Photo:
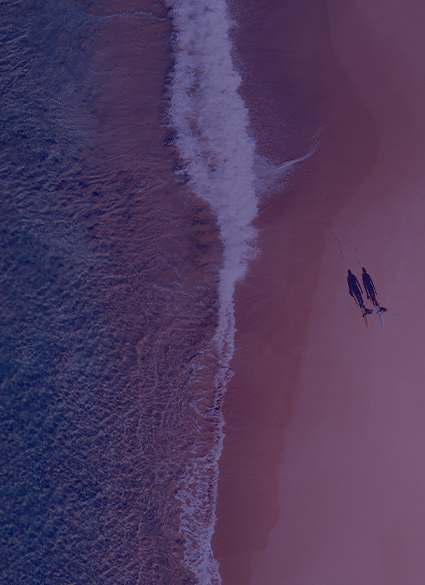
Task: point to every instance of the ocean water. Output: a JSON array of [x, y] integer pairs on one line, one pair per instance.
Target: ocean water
[[128, 194]]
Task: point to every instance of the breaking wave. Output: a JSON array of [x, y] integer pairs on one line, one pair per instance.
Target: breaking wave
[[211, 124]]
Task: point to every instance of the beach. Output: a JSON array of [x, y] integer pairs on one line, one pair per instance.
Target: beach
[[321, 478], [189, 393]]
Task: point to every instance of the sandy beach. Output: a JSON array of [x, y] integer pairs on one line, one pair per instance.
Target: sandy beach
[[321, 477]]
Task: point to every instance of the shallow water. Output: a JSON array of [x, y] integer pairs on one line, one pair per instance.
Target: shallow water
[[109, 275]]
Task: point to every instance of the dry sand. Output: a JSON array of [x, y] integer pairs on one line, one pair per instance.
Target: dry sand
[[322, 474]]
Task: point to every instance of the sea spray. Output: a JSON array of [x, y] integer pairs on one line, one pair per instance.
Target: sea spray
[[211, 121]]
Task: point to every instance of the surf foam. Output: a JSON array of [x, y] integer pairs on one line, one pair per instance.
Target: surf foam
[[211, 121]]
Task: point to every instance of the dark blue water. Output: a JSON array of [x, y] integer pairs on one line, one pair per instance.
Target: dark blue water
[[107, 292]]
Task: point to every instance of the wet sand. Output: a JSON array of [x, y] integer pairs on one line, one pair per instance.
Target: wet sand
[[321, 473]]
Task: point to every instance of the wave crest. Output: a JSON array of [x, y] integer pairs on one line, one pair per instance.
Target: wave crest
[[211, 124]]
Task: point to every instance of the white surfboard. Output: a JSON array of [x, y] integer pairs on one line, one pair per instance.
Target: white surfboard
[[381, 314]]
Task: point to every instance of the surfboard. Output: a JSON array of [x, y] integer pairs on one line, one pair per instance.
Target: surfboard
[[365, 313], [381, 312]]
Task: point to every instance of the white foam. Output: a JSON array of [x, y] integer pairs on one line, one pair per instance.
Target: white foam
[[211, 121], [267, 173]]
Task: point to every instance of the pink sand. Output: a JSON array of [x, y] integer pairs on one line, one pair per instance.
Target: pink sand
[[331, 415]]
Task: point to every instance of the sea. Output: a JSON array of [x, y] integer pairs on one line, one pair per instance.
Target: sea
[[131, 175]]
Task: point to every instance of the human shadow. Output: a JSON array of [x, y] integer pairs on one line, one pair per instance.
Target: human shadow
[[355, 289], [371, 290]]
